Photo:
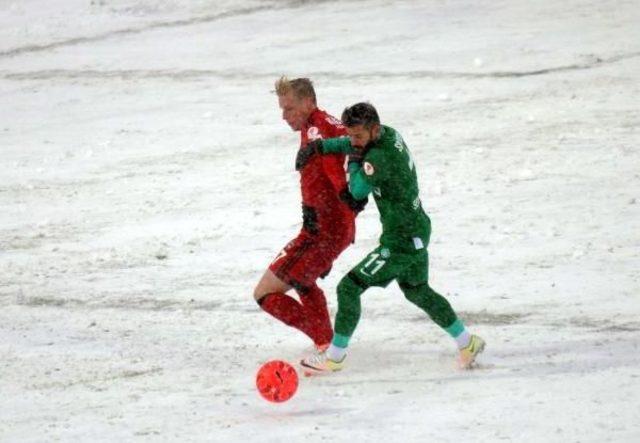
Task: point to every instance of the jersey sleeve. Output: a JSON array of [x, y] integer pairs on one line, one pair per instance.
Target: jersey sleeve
[[337, 145], [363, 178], [359, 186]]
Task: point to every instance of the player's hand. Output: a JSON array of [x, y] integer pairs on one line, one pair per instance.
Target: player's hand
[[305, 154], [356, 205]]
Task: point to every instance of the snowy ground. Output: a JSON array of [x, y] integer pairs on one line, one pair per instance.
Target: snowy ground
[[147, 180]]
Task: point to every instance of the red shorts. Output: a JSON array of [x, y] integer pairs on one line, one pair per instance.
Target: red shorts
[[307, 257]]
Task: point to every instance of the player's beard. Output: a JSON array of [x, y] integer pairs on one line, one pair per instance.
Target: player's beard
[[368, 144], [372, 140]]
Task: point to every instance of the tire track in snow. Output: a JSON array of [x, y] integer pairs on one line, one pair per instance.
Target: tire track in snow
[[123, 375], [482, 317], [127, 304], [152, 26], [129, 31], [191, 74]]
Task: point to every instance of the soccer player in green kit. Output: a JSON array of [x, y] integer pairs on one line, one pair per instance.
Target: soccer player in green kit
[[380, 163]]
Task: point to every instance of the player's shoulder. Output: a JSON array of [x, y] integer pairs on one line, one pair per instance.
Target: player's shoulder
[[327, 125], [391, 142], [375, 160], [381, 147], [389, 136], [322, 117], [382, 151]]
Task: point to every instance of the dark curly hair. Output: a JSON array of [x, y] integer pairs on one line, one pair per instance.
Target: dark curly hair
[[360, 114]]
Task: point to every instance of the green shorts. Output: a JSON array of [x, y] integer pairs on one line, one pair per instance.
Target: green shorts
[[381, 266]]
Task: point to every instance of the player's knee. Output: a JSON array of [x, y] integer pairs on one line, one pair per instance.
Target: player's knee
[[263, 288], [416, 294], [412, 295], [349, 291], [259, 292], [349, 286]]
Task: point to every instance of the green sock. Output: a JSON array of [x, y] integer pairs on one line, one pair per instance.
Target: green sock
[[459, 333], [338, 348]]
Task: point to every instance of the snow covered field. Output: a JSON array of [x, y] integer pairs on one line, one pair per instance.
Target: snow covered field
[[147, 180]]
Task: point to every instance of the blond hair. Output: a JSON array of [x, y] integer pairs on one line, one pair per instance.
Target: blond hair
[[301, 87]]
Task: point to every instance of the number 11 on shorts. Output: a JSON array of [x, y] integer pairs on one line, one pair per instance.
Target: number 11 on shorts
[[373, 264]]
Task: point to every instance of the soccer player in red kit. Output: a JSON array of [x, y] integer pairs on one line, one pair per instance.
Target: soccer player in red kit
[[328, 221]]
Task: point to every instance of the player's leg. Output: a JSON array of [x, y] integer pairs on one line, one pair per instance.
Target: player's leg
[[316, 313], [378, 268], [270, 292], [414, 283], [347, 317], [309, 316], [269, 283], [317, 264], [298, 266]]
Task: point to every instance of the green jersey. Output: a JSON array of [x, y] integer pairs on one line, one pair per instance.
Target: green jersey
[[388, 171]]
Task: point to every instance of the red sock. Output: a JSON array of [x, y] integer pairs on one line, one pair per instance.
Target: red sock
[[288, 310], [317, 315], [311, 317]]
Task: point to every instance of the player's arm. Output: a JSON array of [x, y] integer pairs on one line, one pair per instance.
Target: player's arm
[[333, 163], [364, 175], [360, 180], [359, 185], [338, 145], [334, 169]]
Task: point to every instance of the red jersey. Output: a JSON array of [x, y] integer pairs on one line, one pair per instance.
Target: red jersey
[[323, 178]]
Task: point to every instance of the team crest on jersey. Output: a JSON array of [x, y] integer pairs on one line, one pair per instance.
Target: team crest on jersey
[[313, 133], [368, 168]]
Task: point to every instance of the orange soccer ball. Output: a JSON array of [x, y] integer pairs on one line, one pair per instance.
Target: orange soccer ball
[[277, 381]]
